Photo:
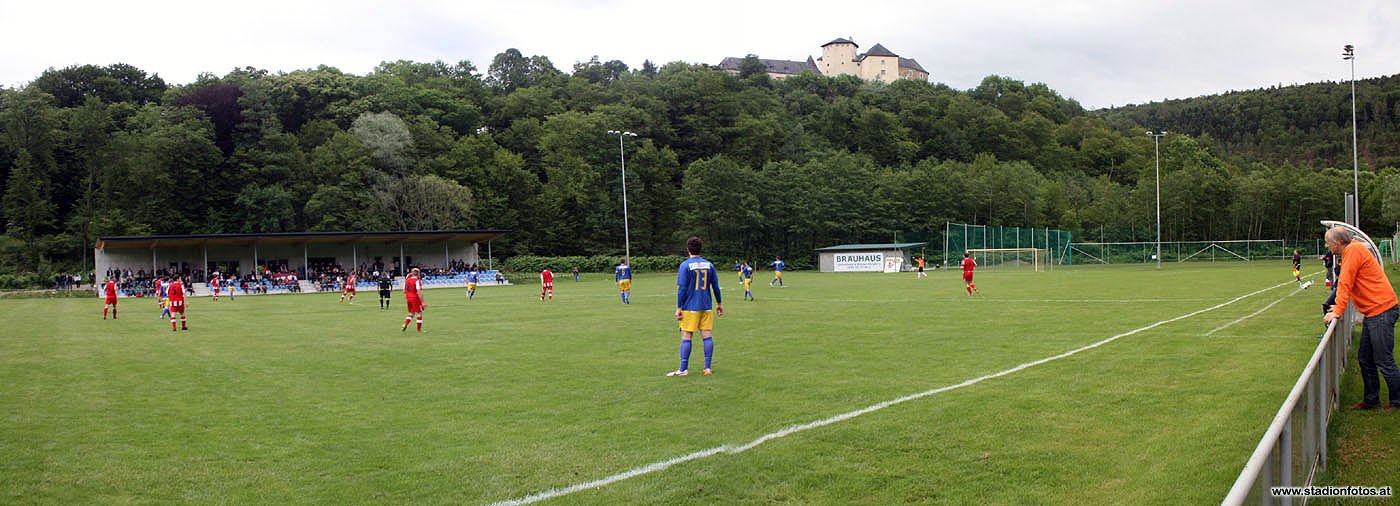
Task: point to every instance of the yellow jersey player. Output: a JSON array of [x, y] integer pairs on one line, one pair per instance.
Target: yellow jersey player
[[747, 274], [623, 277], [696, 282], [472, 277]]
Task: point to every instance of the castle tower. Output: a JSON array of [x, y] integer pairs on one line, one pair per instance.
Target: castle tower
[[839, 58]]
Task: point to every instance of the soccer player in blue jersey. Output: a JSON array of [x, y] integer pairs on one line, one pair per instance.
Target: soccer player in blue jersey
[[472, 278], [696, 281], [162, 286], [778, 266], [747, 274], [739, 268], [623, 278]]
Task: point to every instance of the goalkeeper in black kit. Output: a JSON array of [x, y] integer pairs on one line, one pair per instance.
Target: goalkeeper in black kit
[[386, 286]]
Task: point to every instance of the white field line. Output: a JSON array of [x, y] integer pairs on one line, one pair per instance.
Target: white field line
[[1256, 313], [733, 449]]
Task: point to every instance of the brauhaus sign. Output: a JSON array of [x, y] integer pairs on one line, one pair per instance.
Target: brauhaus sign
[[859, 262]]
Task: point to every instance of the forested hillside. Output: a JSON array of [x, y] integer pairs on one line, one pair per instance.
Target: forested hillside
[[756, 166], [1306, 124]]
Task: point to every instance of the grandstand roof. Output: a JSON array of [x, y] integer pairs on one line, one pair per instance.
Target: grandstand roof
[[152, 241], [859, 247]]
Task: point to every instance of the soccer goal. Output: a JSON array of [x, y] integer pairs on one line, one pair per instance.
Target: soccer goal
[[1036, 259]]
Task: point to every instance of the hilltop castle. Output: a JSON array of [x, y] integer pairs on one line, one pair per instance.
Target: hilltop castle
[[839, 58]]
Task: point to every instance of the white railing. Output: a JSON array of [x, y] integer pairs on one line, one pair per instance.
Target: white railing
[[1294, 448]]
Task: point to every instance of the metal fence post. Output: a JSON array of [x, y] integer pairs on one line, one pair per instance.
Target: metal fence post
[[1266, 476], [1285, 458]]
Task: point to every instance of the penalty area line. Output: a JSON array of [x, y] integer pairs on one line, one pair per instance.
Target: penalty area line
[[734, 449]]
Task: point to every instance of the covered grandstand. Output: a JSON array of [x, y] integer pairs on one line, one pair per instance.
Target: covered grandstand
[[306, 255]]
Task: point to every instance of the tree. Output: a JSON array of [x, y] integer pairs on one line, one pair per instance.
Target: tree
[[220, 103], [653, 207], [28, 211], [502, 189], [426, 203], [264, 209], [1390, 198], [172, 150], [719, 204], [753, 70], [598, 72], [387, 138], [114, 83], [511, 70], [302, 96], [29, 122], [339, 187], [90, 128], [423, 73]]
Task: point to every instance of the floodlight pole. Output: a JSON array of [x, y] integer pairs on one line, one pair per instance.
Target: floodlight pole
[[1349, 54], [1157, 149], [622, 154]]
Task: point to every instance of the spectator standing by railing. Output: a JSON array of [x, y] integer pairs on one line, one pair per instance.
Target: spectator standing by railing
[[1364, 283]]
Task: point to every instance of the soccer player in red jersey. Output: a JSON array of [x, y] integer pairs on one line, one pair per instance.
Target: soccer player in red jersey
[[349, 288], [413, 293], [110, 289], [176, 292], [546, 283], [214, 285], [968, 264]]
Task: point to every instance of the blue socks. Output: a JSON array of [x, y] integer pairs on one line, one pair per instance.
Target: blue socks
[[709, 344]]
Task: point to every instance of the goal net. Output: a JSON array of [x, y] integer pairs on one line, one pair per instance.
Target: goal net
[[1014, 243], [1035, 259]]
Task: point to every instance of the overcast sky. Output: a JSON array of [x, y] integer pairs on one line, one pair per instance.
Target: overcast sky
[[1099, 52]]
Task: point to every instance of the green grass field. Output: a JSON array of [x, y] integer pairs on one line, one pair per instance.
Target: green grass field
[[296, 399]]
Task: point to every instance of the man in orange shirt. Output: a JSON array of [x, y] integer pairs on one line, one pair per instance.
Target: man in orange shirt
[[1364, 283]]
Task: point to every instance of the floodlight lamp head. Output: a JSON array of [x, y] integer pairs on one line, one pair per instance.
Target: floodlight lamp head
[[613, 132], [629, 134]]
